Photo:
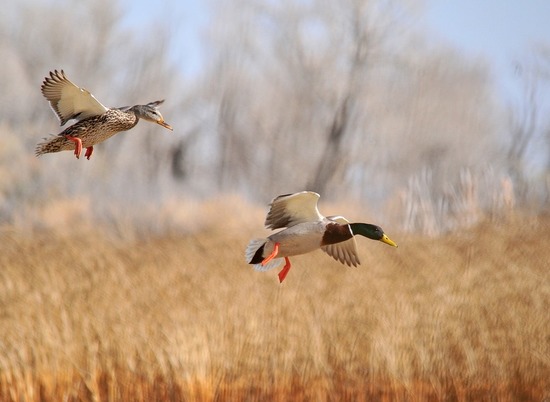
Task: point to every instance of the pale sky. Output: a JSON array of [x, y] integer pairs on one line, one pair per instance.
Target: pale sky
[[499, 31]]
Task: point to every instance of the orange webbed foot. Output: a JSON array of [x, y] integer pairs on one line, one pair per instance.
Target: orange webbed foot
[[77, 145], [284, 271], [286, 268], [272, 255], [89, 151]]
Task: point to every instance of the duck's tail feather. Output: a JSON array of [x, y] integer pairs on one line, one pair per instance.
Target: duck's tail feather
[[54, 143], [254, 255]]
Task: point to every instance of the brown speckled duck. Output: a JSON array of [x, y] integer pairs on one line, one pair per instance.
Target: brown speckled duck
[[307, 230], [95, 122]]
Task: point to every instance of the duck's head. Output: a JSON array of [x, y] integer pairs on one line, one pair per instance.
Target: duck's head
[[151, 113], [372, 232]]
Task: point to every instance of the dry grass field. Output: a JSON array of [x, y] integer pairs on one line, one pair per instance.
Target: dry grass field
[[89, 315]]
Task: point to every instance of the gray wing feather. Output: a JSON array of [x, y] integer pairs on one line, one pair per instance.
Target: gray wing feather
[[346, 251], [291, 209], [67, 100]]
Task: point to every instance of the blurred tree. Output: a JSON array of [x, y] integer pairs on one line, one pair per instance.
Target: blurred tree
[[338, 97], [119, 65], [528, 121], [334, 97], [293, 84]]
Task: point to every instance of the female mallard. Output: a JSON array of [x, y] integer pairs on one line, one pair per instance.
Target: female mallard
[[307, 230], [95, 124]]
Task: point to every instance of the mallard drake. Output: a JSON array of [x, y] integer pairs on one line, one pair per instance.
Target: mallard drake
[[306, 231], [95, 122]]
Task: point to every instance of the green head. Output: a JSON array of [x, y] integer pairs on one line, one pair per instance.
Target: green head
[[372, 232]]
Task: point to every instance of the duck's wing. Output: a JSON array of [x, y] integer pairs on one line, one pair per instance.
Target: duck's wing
[[150, 104], [346, 251], [69, 101], [291, 209]]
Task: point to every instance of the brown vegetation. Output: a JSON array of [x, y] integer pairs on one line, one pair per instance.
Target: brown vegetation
[[89, 316]]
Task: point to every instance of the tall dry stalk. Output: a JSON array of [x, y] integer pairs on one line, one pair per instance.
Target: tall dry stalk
[[86, 316]]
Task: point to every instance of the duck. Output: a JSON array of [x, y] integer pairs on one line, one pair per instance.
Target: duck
[[306, 230], [95, 123]]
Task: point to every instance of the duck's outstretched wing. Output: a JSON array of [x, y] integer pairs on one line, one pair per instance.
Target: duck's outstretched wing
[[346, 251], [291, 209], [150, 104], [69, 101]]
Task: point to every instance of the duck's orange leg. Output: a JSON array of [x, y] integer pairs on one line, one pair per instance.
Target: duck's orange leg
[[286, 268], [284, 271], [77, 145], [272, 255], [89, 151]]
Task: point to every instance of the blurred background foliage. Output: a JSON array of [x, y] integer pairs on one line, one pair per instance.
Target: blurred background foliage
[[346, 98]]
